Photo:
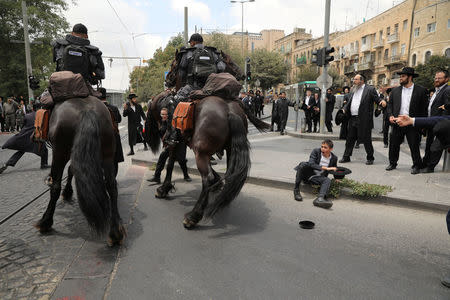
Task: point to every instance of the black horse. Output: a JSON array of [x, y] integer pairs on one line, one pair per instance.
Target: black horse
[[220, 125], [80, 130]]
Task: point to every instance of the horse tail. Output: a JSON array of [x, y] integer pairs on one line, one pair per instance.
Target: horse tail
[[238, 165], [86, 164], [152, 133], [260, 125]]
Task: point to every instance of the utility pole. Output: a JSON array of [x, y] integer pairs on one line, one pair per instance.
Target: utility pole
[[27, 49], [186, 26], [326, 33]]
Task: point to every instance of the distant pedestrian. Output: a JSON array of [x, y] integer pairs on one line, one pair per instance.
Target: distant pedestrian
[[2, 115], [274, 119], [22, 143], [408, 99], [330, 100], [360, 110], [307, 108], [134, 112], [10, 108], [315, 171], [259, 99], [344, 124], [20, 115], [283, 111], [316, 111]]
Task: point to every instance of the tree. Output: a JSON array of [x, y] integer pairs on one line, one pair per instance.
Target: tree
[[46, 23], [307, 73], [148, 81], [338, 80], [268, 67], [223, 42], [427, 70]]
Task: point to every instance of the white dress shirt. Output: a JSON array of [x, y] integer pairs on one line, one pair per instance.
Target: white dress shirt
[[406, 100], [307, 100], [356, 100], [433, 97]]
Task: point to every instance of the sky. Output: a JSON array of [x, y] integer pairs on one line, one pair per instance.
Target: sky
[[131, 28]]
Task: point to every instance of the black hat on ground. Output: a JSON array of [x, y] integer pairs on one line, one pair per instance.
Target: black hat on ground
[[340, 117], [196, 37], [80, 28], [103, 92], [131, 96], [408, 71], [340, 172]]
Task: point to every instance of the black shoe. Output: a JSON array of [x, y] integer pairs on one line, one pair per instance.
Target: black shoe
[[43, 167], [145, 148], [322, 202], [369, 162], [391, 167], [357, 146], [156, 179], [130, 153], [3, 168], [282, 132], [427, 170], [187, 178], [386, 146], [415, 170], [308, 131], [297, 195], [446, 281], [344, 160]]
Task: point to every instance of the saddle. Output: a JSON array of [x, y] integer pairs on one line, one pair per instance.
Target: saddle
[[183, 116], [41, 125]]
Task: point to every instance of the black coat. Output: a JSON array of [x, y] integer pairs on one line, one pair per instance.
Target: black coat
[[418, 106], [134, 123], [22, 141], [314, 163], [365, 111], [283, 108], [442, 98], [329, 105]]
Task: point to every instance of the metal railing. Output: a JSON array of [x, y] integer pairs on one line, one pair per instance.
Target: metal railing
[[393, 38]]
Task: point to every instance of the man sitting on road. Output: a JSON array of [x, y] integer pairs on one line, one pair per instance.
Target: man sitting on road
[[315, 171]]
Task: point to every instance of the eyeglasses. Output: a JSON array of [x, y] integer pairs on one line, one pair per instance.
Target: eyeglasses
[[162, 115]]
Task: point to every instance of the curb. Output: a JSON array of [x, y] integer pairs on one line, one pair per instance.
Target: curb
[[320, 136], [279, 184]]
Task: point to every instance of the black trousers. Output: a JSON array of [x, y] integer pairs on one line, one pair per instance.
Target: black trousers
[[412, 136], [344, 129], [352, 136], [303, 174], [431, 158], [315, 118], [180, 156], [2, 123], [386, 125], [308, 117], [12, 161]]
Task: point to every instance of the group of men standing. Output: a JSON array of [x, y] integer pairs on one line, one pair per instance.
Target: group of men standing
[[12, 113]]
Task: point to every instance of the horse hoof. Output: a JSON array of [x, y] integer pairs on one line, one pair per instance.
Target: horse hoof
[[160, 195], [43, 229], [117, 239], [188, 224]]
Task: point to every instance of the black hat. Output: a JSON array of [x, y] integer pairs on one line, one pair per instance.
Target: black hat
[[377, 112], [196, 37], [103, 92], [388, 91], [408, 71], [131, 96], [79, 28], [340, 172], [340, 117]]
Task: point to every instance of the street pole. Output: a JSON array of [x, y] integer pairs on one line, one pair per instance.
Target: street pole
[[186, 26], [27, 49], [242, 30], [326, 33]]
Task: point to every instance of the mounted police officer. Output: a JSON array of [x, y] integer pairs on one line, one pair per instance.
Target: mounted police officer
[[75, 53]]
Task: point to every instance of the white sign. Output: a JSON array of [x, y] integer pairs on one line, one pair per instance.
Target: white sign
[[321, 82], [257, 82]]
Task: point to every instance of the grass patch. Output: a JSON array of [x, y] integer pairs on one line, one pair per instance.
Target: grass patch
[[359, 189]]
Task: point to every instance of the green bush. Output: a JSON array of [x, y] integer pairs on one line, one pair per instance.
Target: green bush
[[360, 189]]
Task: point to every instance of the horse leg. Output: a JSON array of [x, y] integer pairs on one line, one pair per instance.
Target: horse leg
[[208, 178], [58, 164], [68, 191], [164, 189], [117, 231]]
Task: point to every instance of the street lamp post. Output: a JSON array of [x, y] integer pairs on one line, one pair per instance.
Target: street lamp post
[[242, 27]]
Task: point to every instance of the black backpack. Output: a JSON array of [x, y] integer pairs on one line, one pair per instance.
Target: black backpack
[[75, 58], [203, 64]]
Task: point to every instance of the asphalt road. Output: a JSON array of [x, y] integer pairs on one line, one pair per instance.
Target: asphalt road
[[256, 250]]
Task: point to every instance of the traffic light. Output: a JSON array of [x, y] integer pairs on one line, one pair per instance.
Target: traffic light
[[33, 82], [247, 68], [326, 55], [317, 57]]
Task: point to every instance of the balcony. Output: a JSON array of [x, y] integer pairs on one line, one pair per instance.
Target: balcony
[[393, 38], [301, 61], [365, 66], [366, 47], [349, 69], [353, 52], [396, 59], [378, 44]]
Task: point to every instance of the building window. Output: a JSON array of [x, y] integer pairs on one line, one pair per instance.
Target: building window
[[416, 31], [427, 56], [405, 25], [363, 40], [403, 49], [396, 28], [386, 54], [447, 52], [381, 35], [394, 50], [431, 27], [414, 58], [388, 31]]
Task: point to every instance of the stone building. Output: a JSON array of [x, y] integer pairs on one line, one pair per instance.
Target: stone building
[[406, 34]]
